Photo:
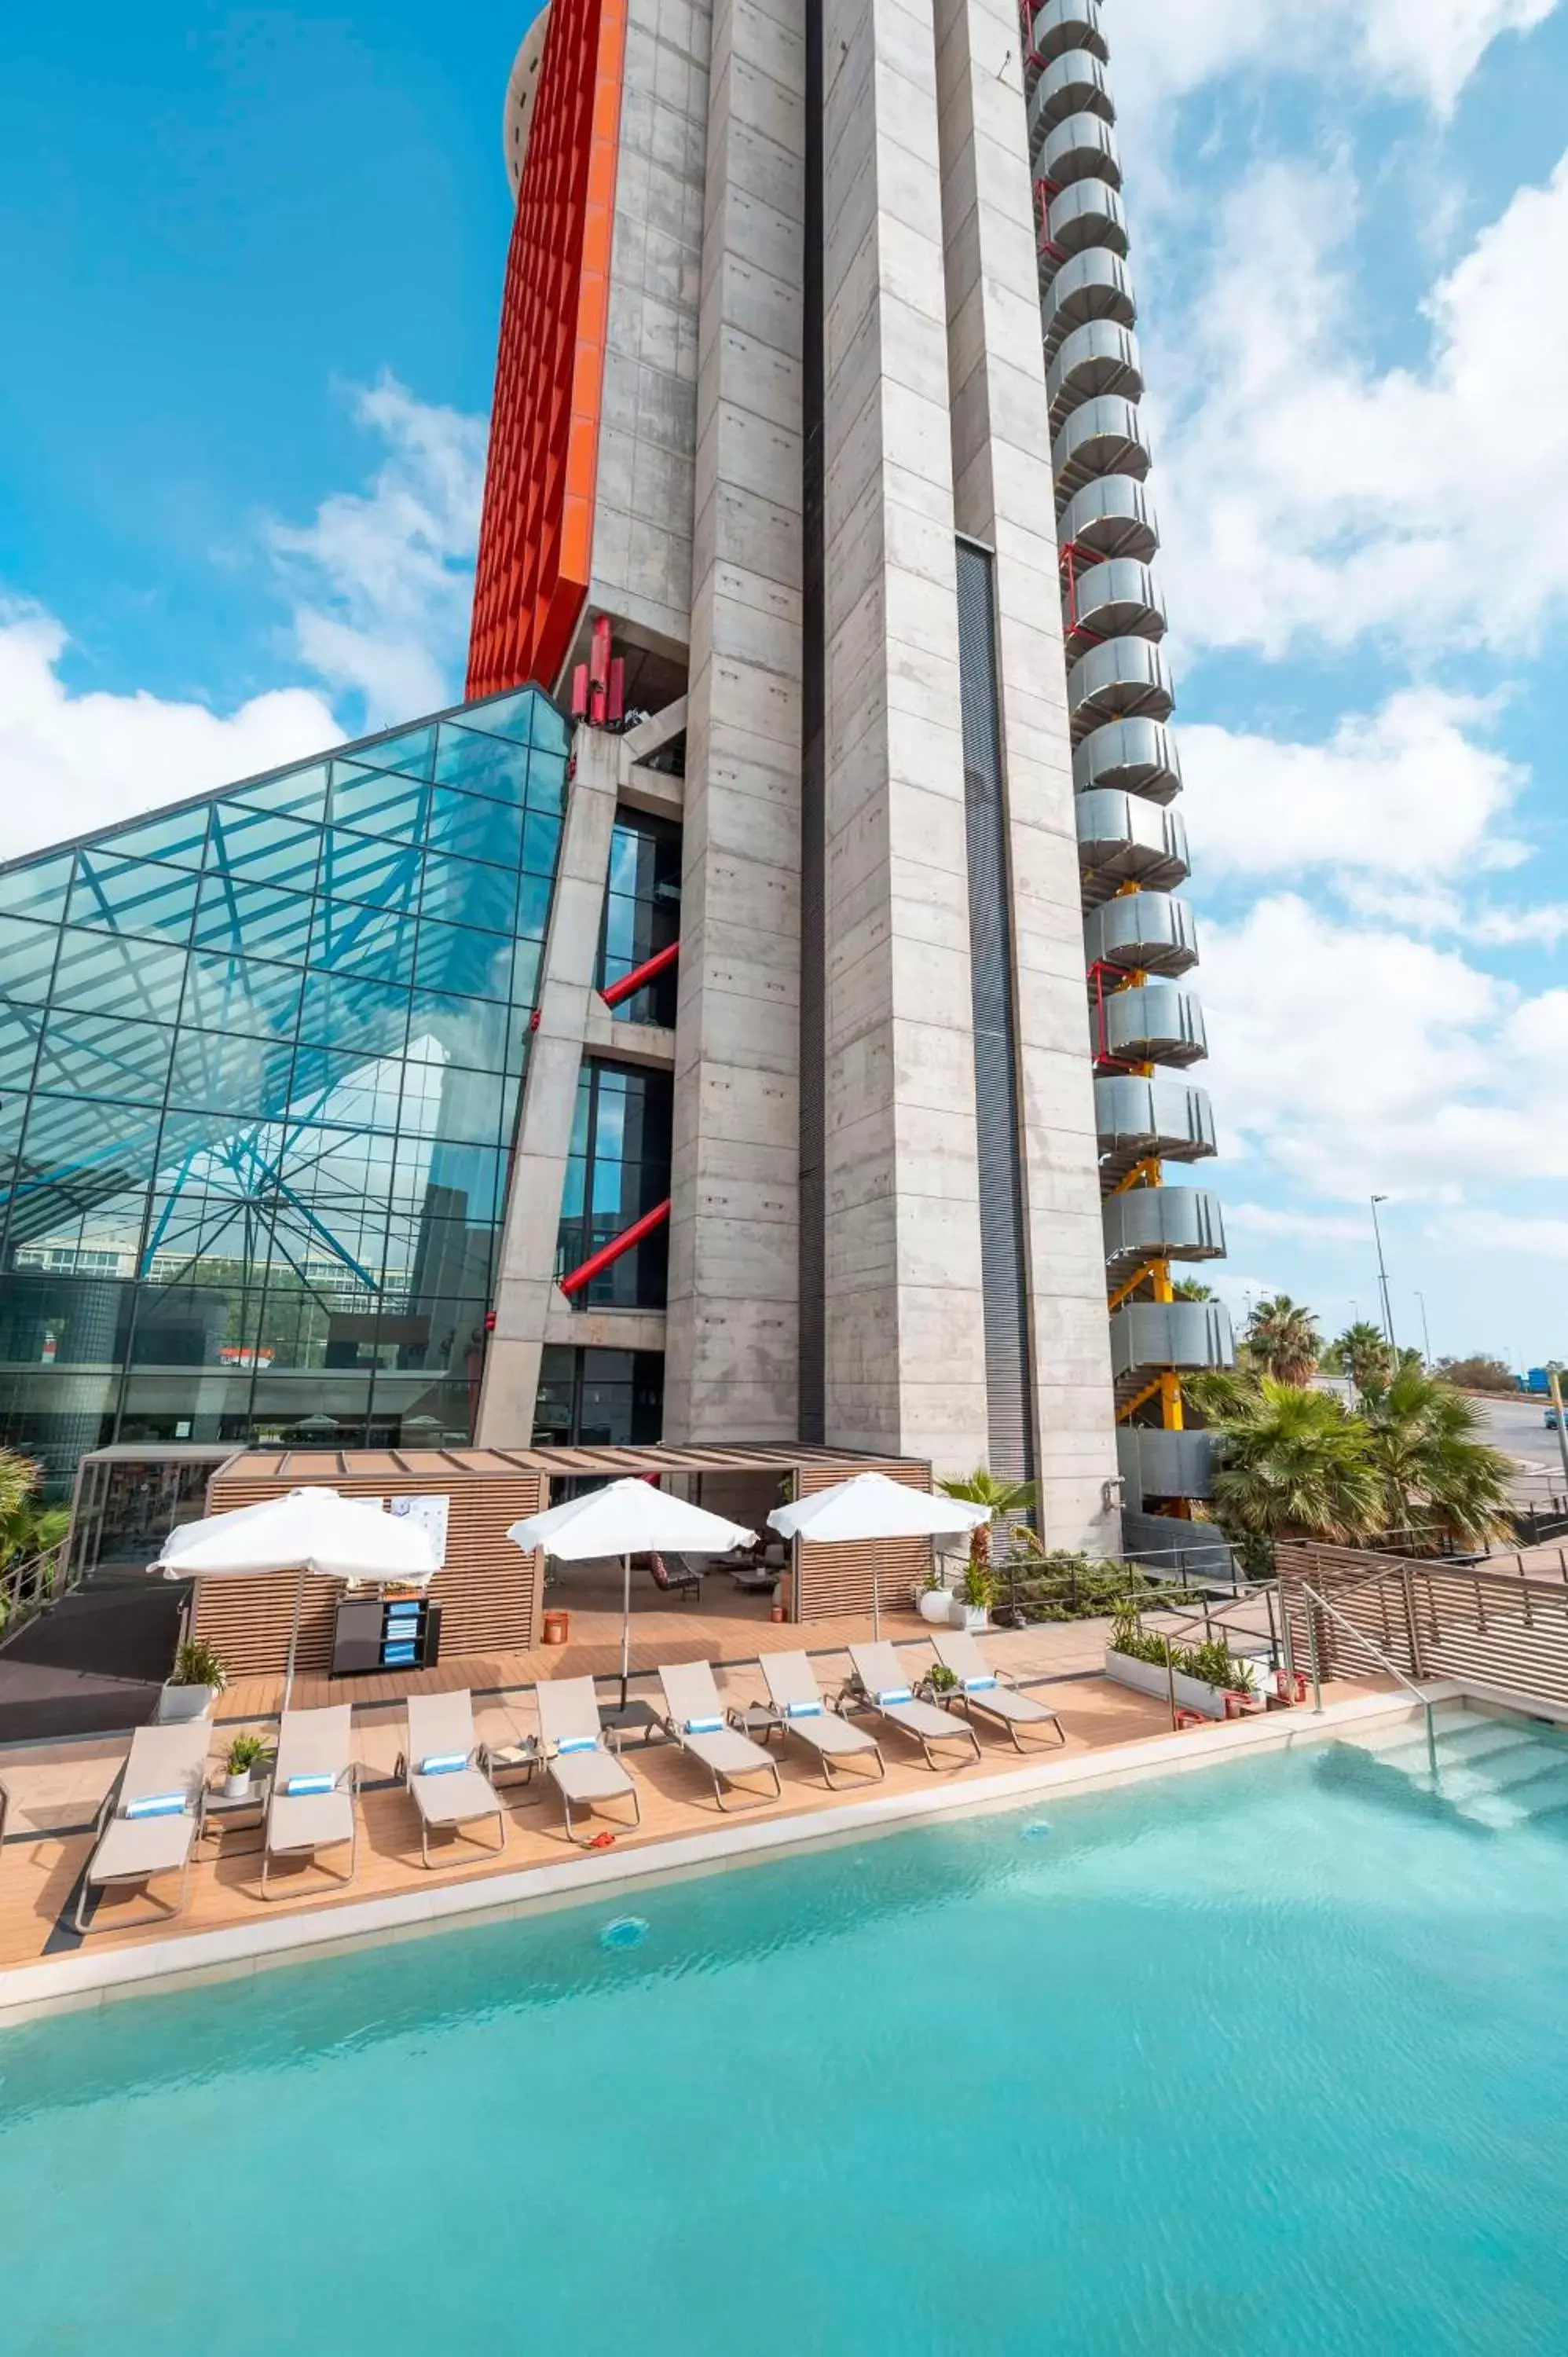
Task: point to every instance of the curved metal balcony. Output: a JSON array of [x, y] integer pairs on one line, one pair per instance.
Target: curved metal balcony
[[1160, 1223], [1123, 678], [1136, 757], [1111, 516], [1122, 839], [1096, 284], [1141, 1119], [1084, 147], [1161, 1464], [1149, 1337], [1100, 358], [1074, 84], [1114, 600], [1063, 24], [1085, 217], [1106, 436], [1157, 1023], [1142, 932]]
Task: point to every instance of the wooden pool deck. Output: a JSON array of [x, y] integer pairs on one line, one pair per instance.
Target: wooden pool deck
[[55, 1789]]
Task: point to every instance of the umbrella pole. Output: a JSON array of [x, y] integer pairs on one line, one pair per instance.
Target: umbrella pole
[[293, 1638], [625, 1627], [876, 1606]]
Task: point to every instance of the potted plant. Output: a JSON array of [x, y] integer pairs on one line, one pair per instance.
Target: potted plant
[[240, 1758], [941, 1679], [194, 1683], [972, 1604], [1198, 1676], [932, 1601]]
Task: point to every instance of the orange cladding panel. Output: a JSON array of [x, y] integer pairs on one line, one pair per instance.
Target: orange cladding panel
[[536, 536]]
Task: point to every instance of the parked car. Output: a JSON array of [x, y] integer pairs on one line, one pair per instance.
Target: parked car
[[1549, 1419]]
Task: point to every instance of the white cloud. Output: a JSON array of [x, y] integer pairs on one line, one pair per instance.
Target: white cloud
[[1477, 1228], [1307, 495], [382, 578], [1424, 50], [1308, 1227], [73, 762], [1405, 789]]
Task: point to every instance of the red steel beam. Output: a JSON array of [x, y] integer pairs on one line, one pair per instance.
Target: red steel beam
[[641, 975], [608, 1255]]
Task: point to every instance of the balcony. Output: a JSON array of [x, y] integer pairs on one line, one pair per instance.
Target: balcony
[[1141, 1119], [1100, 358], [1096, 284], [1073, 83], [1112, 516], [1164, 1465], [1154, 1023], [1138, 757], [1083, 147], [1147, 932], [1063, 24], [1160, 1223], [1087, 216], [1148, 1338], [1106, 436], [1125, 679], [1122, 839], [1119, 598]]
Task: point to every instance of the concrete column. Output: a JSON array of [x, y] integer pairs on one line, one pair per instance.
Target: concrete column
[[1004, 496], [525, 1287], [730, 1371], [906, 1367]]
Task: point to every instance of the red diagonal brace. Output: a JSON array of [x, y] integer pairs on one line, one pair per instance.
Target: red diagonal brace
[[608, 1255], [641, 975]]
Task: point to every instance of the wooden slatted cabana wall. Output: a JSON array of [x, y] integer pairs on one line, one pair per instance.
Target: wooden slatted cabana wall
[[489, 1590], [835, 1581]]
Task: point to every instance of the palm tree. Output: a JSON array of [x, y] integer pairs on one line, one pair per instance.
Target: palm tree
[[1363, 1353], [1296, 1465], [1191, 1288], [1282, 1340], [1442, 1484], [25, 1527], [1004, 1498]]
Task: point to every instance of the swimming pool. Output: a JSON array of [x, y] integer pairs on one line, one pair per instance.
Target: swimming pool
[[1267, 2057]]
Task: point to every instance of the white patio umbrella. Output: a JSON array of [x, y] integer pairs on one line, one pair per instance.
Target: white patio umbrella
[[626, 1518], [870, 1506], [308, 1531]]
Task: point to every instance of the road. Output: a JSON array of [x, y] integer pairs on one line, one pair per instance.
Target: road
[[1515, 1426]]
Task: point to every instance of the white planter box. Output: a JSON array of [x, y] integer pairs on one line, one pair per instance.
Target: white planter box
[[971, 1617], [1150, 1678], [178, 1703]]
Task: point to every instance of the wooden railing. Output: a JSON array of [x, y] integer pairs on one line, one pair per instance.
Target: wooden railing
[[1484, 1623]]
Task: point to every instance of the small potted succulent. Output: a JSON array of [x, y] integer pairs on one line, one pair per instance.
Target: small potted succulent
[[237, 1762], [194, 1683]]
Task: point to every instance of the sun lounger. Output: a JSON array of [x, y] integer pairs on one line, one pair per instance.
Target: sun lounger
[[991, 1692], [444, 1766], [697, 1721], [149, 1821], [888, 1691], [684, 1580], [583, 1767], [313, 1782], [798, 1699]]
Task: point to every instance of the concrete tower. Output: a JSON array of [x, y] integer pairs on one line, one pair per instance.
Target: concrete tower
[[791, 316]]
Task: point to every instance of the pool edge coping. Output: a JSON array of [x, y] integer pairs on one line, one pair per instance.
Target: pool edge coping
[[69, 1983]]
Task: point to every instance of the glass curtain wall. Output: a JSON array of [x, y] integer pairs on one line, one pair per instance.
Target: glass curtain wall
[[259, 1067], [642, 913], [618, 1169]]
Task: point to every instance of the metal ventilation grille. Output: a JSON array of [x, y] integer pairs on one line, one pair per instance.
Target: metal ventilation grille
[[1008, 1387]]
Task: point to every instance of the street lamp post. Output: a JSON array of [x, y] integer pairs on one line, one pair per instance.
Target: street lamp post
[[1554, 1377], [1383, 1275], [1425, 1332]]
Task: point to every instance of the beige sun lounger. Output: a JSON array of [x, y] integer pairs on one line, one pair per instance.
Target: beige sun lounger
[[993, 1692], [149, 1821], [582, 1766], [441, 1731], [798, 1699], [314, 1783], [696, 1720], [888, 1691]]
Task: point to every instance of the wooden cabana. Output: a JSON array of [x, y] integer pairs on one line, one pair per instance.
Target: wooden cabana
[[489, 1595]]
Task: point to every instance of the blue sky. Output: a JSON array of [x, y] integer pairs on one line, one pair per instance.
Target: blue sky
[[253, 263]]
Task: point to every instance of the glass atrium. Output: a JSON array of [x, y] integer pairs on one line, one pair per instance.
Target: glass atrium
[[260, 1056]]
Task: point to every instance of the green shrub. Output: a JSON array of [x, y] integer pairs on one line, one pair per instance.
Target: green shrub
[[197, 1663]]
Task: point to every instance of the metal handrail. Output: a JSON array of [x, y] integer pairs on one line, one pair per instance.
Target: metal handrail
[[27, 1587], [1378, 1655]]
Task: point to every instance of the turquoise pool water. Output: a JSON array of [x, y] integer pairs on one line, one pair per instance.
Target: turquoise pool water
[[1261, 2060]]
